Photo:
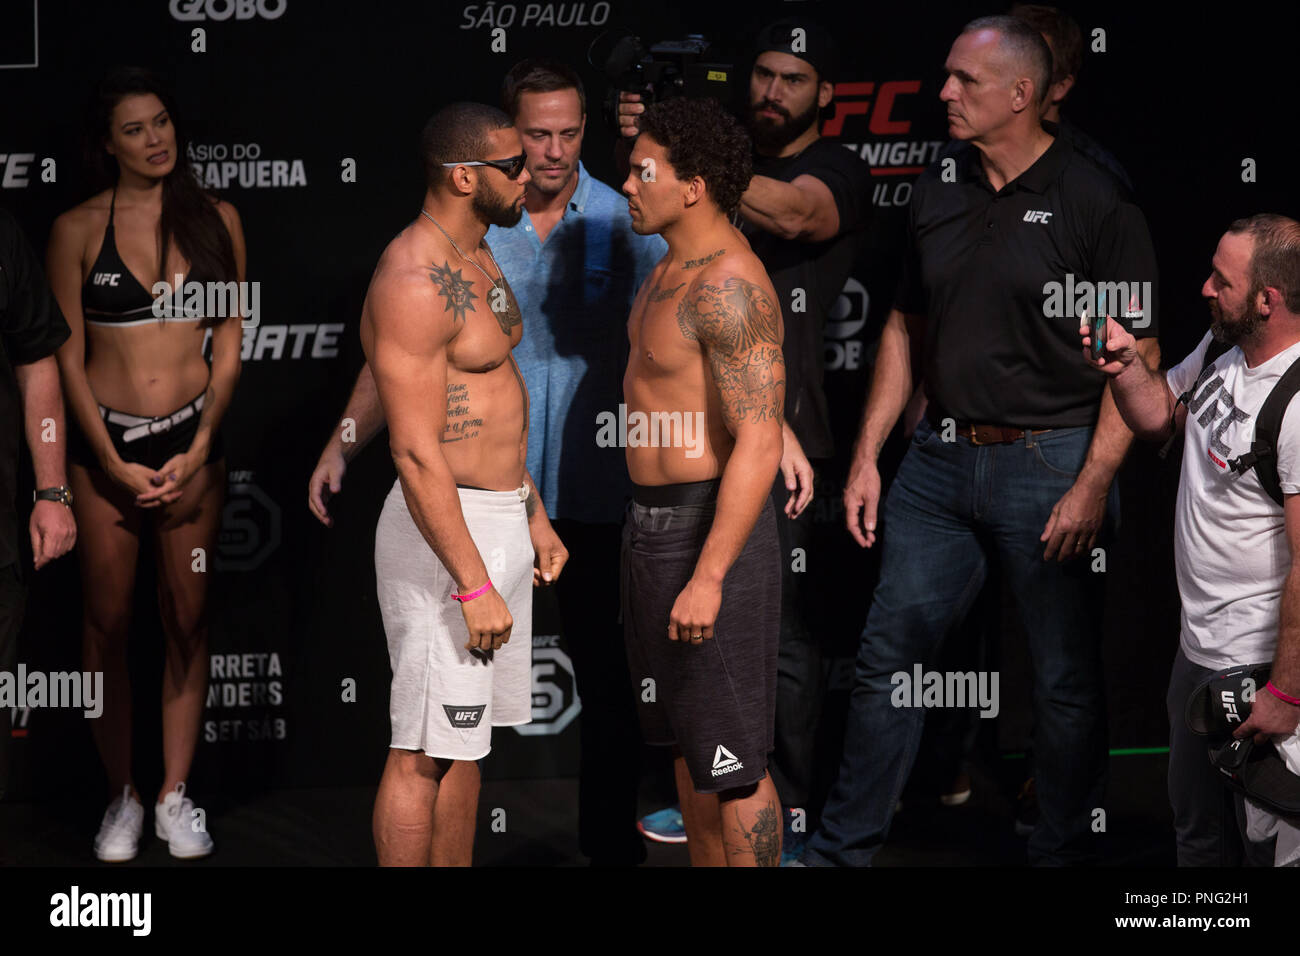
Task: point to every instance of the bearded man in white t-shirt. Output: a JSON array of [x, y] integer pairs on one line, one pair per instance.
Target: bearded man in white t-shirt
[[1237, 552]]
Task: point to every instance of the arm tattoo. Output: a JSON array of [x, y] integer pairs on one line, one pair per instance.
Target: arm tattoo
[[531, 502], [693, 263], [209, 403], [458, 291], [737, 325]]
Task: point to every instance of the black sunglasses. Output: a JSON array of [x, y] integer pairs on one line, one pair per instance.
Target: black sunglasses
[[512, 167]]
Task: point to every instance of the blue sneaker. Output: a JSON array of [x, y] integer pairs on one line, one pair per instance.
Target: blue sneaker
[[663, 826], [793, 842]]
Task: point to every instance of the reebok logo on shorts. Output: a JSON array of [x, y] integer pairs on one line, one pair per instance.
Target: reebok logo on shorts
[[724, 761], [464, 718]]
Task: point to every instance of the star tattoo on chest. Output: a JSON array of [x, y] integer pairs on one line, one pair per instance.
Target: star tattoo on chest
[[457, 290]]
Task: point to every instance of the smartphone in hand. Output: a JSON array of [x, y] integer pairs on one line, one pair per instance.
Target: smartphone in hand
[[1098, 334]]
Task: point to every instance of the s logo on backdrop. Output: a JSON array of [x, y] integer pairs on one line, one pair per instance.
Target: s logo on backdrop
[[555, 692], [250, 525]]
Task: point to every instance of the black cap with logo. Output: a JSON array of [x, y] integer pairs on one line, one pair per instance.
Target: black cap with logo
[[804, 38]]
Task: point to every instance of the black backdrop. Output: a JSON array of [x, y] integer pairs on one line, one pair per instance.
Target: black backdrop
[[313, 83]]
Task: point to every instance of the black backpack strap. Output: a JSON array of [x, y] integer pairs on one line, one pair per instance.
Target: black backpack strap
[[1212, 352], [1268, 425]]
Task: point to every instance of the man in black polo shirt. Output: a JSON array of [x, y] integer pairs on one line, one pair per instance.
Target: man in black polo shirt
[[1016, 461], [805, 214], [31, 329], [950, 736]]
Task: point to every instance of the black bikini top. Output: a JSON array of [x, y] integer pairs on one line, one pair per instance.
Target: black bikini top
[[111, 295]]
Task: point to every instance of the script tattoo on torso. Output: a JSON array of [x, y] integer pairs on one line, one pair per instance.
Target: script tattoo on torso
[[459, 425], [737, 323]]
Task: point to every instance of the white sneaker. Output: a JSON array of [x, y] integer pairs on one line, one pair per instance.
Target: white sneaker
[[182, 826], [119, 831]]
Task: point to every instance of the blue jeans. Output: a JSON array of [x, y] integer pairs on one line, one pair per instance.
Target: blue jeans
[[953, 508]]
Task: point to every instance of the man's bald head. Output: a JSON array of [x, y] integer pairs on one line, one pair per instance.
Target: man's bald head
[[1022, 51]]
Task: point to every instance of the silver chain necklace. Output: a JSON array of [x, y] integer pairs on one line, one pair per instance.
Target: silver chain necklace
[[467, 258]]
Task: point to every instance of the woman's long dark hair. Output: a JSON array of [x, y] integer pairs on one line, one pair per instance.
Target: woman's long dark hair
[[189, 216]]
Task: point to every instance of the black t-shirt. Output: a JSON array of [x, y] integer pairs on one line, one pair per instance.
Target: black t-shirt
[[31, 327], [820, 269], [1083, 143], [1000, 278]]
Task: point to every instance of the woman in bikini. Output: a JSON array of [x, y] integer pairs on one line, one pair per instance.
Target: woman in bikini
[[144, 453]]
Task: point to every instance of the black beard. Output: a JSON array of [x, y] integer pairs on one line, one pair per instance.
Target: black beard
[[771, 136], [495, 211], [1233, 331]]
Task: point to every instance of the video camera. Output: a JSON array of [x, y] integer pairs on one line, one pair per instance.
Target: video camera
[[686, 67]]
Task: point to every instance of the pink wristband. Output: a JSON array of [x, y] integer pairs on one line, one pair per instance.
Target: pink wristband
[[1281, 696], [473, 594]]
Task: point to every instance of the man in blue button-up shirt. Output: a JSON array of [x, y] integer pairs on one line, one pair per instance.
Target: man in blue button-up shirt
[[574, 265]]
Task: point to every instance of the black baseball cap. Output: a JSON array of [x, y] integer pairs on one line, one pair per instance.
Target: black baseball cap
[[816, 45]]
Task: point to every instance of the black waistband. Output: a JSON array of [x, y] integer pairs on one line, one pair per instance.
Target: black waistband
[[669, 496]]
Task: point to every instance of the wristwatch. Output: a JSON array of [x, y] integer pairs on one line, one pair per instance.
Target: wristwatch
[[61, 494]]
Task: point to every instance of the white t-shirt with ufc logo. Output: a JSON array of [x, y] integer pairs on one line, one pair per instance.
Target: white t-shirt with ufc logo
[[1230, 546]]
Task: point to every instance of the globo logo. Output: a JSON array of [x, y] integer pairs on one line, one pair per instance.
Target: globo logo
[[191, 10]]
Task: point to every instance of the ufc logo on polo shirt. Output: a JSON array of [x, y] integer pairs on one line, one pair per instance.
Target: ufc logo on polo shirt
[[1037, 215]]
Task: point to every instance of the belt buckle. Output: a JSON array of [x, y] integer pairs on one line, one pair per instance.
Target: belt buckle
[[974, 435]]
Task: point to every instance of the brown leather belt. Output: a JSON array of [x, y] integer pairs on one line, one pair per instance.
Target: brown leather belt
[[984, 434]]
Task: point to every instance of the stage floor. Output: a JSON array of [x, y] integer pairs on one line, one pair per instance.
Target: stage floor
[[331, 827]]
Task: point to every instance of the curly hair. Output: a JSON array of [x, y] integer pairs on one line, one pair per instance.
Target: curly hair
[[703, 139]]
